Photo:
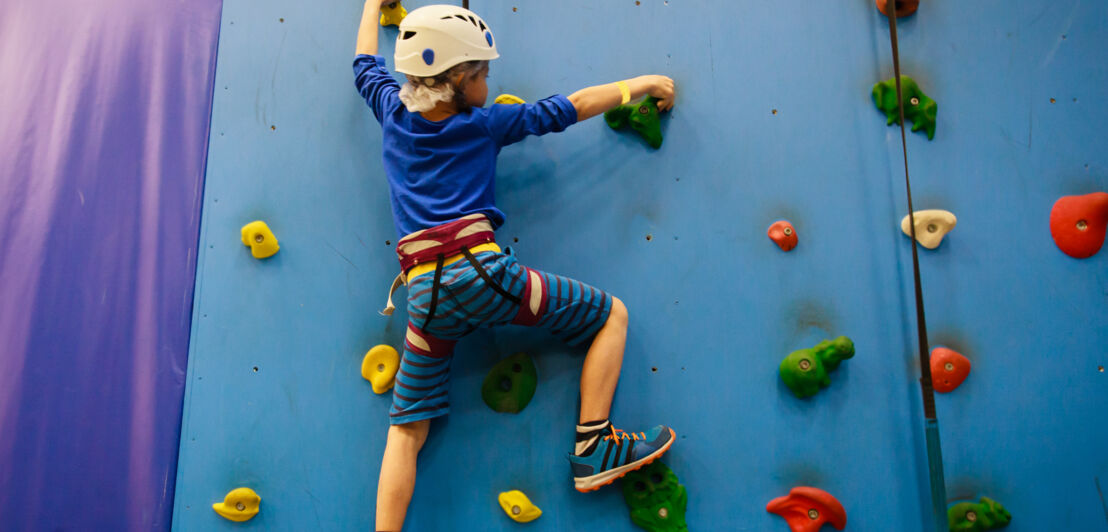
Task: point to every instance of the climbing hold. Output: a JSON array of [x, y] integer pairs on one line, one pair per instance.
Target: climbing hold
[[379, 367], [948, 369], [807, 509], [918, 108], [240, 504], [1077, 223], [783, 234], [518, 506], [903, 7], [977, 516], [508, 99], [392, 14], [656, 498], [805, 371], [643, 118], [510, 384], [260, 239], [931, 226]]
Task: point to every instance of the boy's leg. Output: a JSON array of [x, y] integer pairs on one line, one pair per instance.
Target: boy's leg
[[398, 473], [600, 375]]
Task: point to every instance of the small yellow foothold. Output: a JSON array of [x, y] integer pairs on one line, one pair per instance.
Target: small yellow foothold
[[508, 99], [379, 367], [518, 506], [260, 239], [392, 14], [240, 504]]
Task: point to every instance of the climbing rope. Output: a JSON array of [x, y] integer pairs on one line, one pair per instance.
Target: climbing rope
[[931, 421]]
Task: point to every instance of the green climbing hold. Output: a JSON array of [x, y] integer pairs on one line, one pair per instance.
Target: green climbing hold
[[510, 384], [977, 516], [918, 108], [805, 371], [656, 499], [642, 116]]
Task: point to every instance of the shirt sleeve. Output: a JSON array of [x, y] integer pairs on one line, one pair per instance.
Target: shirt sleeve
[[510, 123], [375, 84]]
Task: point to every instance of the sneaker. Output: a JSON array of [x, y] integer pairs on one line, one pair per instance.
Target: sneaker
[[617, 454]]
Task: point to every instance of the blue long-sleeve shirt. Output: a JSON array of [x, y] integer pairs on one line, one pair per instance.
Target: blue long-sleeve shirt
[[441, 171]]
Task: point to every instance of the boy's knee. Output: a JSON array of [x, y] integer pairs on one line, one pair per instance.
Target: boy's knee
[[411, 435], [618, 314]]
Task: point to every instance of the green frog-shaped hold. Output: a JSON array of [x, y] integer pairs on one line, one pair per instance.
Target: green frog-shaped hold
[[977, 516], [805, 371], [643, 118], [656, 498], [918, 108]]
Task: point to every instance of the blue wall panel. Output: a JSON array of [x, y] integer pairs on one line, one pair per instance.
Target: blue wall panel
[[774, 120]]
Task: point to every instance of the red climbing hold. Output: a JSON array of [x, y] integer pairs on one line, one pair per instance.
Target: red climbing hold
[[782, 233], [1077, 223], [807, 509], [949, 369], [903, 7]]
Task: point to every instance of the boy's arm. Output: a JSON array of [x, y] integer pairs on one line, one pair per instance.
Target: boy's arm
[[367, 31], [592, 101]]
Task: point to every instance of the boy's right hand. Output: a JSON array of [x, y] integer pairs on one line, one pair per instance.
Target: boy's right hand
[[662, 88]]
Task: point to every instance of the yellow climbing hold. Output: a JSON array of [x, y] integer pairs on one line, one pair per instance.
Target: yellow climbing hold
[[518, 506], [260, 239], [508, 99], [379, 367], [392, 14], [240, 504]]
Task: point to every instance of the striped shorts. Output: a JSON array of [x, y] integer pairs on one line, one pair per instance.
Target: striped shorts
[[571, 310]]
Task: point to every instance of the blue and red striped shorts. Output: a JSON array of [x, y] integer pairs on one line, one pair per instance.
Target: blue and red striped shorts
[[570, 309]]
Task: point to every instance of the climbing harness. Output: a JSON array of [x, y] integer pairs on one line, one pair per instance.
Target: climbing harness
[[931, 421]]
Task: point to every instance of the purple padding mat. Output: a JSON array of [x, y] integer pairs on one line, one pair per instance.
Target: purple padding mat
[[104, 111]]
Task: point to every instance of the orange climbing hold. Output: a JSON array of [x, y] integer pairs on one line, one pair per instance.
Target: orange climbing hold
[[1078, 223], [783, 234], [948, 369], [903, 7], [807, 509]]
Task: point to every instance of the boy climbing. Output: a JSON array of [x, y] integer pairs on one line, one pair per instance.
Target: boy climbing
[[440, 147]]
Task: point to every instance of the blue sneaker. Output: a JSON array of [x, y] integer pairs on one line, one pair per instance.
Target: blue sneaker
[[617, 454]]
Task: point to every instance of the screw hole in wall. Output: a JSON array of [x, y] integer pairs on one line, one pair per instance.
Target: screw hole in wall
[[255, 369], [388, 242], [649, 237], [654, 369]]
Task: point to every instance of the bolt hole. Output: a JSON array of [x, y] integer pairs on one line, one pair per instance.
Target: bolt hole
[[515, 240], [1082, 225], [255, 369], [637, 2], [654, 369], [663, 512], [380, 368], [949, 366], [1100, 369], [273, 128], [506, 384], [971, 516], [516, 510], [931, 228], [813, 514], [388, 242], [259, 238], [774, 111], [280, 20], [788, 231], [1063, 36], [240, 506], [514, 9], [649, 237], [1052, 100], [805, 364]]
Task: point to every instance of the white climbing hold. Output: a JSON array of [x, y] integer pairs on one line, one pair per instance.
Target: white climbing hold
[[931, 226]]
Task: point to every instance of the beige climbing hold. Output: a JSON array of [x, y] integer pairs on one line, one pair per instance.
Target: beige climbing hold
[[931, 226], [240, 504], [379, 367]]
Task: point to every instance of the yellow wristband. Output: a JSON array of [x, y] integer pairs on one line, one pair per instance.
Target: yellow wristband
[[624, 91]]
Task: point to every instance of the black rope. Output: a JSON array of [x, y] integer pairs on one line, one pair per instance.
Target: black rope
[[434, 292], [488, 280], [921, 319]]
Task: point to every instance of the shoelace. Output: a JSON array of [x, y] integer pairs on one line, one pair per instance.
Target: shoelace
[[618, 435]]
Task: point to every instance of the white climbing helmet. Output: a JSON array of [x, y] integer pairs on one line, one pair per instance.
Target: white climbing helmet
[[434, 38]]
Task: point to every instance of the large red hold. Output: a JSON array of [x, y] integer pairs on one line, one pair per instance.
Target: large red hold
[[807, 509], [949, 369], [903, 7], [1077, 223], [783, 234]]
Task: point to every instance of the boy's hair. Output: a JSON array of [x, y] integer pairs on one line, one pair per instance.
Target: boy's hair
[[421, 94]]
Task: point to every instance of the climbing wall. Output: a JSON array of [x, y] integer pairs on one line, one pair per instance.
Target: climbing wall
[[774, 121]]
